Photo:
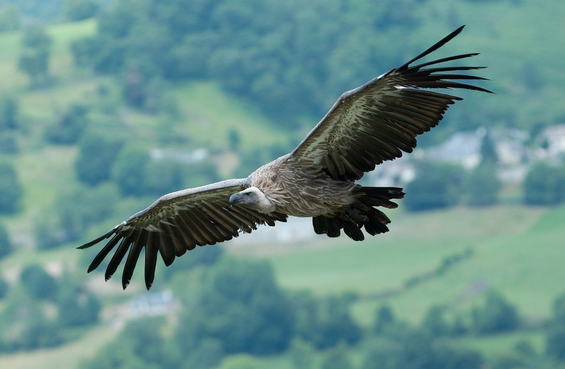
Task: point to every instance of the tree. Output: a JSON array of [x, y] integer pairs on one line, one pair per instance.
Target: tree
[[119, 356], [241, 307], [8, 143], [207, 354], [282, 65], [201, 173], [78, 209], [76, 10], [146, 342], [435, 186], [488, 151], [415, 349], [29, 325], [434, 322], [39, 331], [38, 282], [8, 124], [5, 244], [544, 185], [555, 342], [482, 185], [162, 176], [34, 57], [555, 339], [4, 288], [70, 126], [84, 49], [96, 157], [234, 139], [326, 322], [559, 310], [134, 89], [456, 358], [141, 344], [384, 318], [77, 307], [10, 189], [8, 113], [458, 327], [137, 174], [129, 170], [497, 315], [75, 210]]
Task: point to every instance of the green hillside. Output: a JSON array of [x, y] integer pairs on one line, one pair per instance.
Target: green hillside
[[205, 114], [515, 249], [449, 258]]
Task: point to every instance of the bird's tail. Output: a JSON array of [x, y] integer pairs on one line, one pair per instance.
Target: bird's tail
[[362, 213]]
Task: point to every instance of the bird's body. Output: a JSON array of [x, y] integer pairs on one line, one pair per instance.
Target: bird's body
[[301, 190], [366, 126]]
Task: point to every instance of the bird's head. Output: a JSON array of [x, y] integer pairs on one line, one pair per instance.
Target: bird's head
[[253, 198]]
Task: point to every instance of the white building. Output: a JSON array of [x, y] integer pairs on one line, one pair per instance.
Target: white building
[[152, 304]]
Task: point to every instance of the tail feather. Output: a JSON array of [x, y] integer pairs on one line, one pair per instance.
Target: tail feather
[[333, 228], [353, 230], [361, 214]]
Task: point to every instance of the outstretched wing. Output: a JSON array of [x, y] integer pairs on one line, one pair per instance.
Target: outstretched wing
[[175, 223], [374, 122]]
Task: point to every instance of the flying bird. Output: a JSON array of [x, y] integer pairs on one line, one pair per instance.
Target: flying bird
[[366, 126]]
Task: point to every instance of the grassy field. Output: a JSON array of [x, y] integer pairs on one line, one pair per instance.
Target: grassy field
[[205, 114], [517, 250], [67, 356], [211, 115]]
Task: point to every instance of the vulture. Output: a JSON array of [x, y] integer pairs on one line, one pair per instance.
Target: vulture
[[366, 126]]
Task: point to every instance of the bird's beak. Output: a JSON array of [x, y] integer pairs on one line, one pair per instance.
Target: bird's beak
[[234, 199]]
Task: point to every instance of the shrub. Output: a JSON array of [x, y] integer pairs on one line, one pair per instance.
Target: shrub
[[435, 186], [544, 185], [96, 157], [129, 171], [5, 244], [10, 189], [70, 127], [38, 282], [497, 315], [241, 307], [482, 185]]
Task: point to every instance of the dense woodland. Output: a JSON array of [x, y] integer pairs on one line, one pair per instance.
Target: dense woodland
[[286, 63]]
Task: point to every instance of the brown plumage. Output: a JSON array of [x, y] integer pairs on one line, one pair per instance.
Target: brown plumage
[[366, 126]]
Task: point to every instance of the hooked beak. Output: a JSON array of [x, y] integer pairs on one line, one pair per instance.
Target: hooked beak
[[235, 198]]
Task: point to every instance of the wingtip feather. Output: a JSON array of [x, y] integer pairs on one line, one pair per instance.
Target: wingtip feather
[[434, 47]]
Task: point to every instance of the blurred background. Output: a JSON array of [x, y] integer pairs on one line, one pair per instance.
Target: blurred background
[[106, 105]]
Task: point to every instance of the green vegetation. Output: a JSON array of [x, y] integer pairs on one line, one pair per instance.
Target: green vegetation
[[515, 249], [437, 186], [482, 185], [9, 19], [544, 185], [10, 189], [34, 58], [77, 10], [118, 111], [5, 243]]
